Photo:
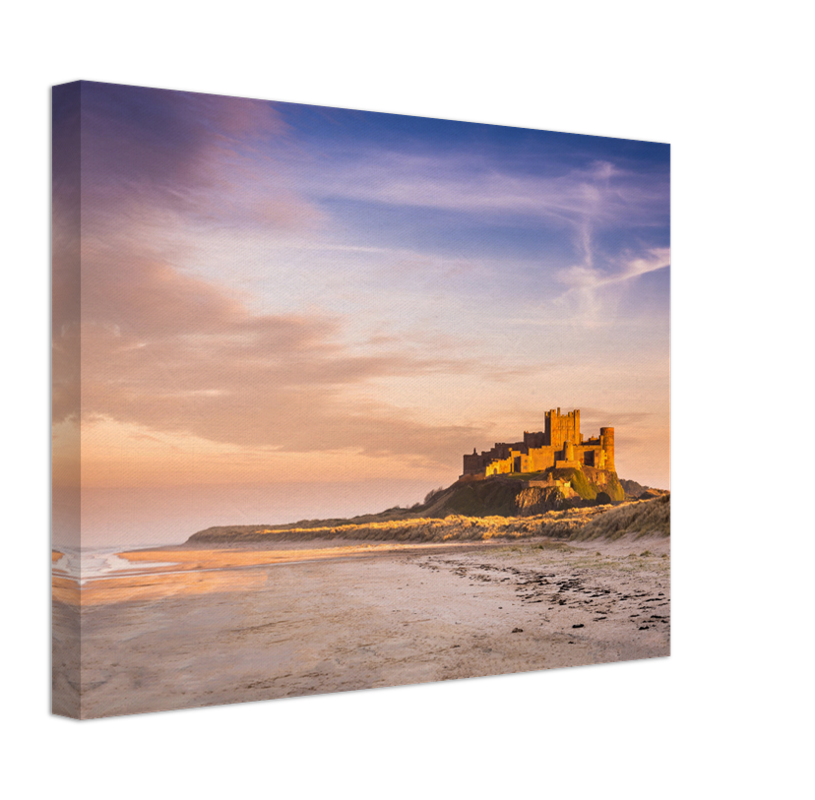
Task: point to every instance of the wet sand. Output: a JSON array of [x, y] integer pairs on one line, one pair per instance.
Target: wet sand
[[222, 626]]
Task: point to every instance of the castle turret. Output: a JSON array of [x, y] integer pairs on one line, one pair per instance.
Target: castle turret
[[607, 446]]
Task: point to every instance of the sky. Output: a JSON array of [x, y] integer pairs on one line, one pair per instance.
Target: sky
[[282, 311]]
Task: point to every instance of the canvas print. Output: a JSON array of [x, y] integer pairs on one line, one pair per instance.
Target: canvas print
[[346, 400]]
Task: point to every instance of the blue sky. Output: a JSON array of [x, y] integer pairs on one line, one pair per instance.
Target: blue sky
[[274, 291]]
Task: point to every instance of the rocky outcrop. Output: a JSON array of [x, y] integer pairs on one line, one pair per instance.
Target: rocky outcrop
[[539, 499]]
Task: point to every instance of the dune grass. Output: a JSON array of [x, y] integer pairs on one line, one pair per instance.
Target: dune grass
[[644, 518]]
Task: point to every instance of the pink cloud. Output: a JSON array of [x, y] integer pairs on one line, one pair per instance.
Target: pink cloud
[[178, 354], [204, 156]]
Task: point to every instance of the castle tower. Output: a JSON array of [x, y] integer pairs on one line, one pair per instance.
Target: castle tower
[[607, 446], [562, 428]]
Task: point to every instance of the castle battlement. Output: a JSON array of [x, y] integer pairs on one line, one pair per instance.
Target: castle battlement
[[560, 445]]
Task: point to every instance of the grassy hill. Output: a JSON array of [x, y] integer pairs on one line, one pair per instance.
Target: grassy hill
[[460, 507], [640, 518]]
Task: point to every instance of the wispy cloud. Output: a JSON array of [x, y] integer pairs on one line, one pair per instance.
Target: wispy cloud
[[583, 277], [600, 191], [601, 213], [147, 153], [589, 298]]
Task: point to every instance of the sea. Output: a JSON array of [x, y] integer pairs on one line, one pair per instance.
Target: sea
[[93, 563]]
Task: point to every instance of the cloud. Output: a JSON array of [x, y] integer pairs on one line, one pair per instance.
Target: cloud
[[587, 293], [66, 251], [175, 353], [147, 152], [657, 258], [597, 210], [135, 137], [472, 185], [65, 206], [162, 347], [584, 277]]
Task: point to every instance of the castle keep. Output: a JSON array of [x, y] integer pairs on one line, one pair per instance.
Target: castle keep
[[559, 445]]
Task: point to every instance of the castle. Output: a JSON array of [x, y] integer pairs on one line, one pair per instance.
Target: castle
[[559, 445]]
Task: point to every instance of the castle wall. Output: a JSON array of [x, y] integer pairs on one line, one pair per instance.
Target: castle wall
[[534, 439], [501, 466], [520, 461], [500, 450], [590, 454], [541, 458]]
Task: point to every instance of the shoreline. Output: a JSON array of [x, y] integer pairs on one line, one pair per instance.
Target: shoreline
[[252, 553]]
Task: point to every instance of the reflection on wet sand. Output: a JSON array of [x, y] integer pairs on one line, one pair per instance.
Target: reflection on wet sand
[[216, 570], [152, 587]]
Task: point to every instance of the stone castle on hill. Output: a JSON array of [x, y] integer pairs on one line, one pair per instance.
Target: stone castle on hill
[[559, 445]]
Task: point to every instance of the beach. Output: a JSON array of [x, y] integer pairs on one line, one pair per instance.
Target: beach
[[185, 627]]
